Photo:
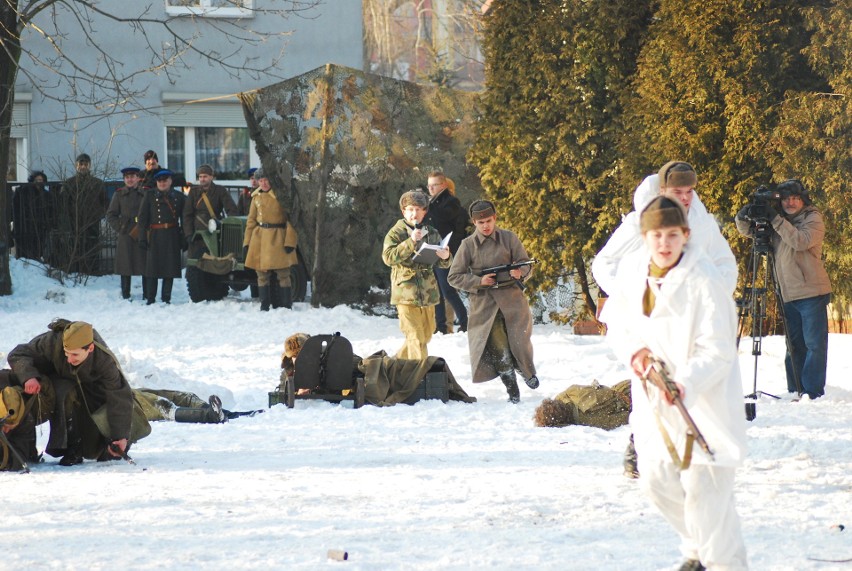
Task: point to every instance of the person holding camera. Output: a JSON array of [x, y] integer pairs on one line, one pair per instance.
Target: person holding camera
[[796, 238]]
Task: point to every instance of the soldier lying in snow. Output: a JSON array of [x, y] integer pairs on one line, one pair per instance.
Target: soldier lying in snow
[[388, 380], [587, 405]]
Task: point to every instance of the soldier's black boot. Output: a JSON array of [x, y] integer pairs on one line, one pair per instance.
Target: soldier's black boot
[[206, 415], [74, 452], [532, 382], [286, 294], [151, 290], [263, 293], [166, 291], [125, 287], [511, 383]]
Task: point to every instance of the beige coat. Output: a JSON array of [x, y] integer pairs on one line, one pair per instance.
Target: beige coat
[[797, 243], [267, 245], [477, 252]]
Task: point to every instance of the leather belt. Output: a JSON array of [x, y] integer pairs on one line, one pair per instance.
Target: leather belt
[[265, 225], [163, 226]]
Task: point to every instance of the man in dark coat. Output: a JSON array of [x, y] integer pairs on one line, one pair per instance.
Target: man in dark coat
[[500, 323], [121, 216], [152, 167], [93, 404], [159, 222], [204, 202], [82, 205], [244, 200], [446, 215], [31, 217]]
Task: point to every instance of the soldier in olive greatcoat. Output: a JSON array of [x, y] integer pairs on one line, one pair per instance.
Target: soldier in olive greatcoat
[[82, 205], [160, 234], [205, 201], [121, 216], [92, 404]]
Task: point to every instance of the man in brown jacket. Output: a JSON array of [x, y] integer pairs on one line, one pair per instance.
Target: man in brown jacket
[[269, 245], [797, 237], [72, 367], [500, 321], [204, 202]]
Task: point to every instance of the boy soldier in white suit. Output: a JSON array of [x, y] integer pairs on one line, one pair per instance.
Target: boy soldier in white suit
[[668, 302], [500, 321]]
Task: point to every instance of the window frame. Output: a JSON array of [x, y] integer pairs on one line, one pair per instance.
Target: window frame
[[204, 9]]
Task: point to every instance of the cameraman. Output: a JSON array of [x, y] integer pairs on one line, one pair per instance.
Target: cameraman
[[797, 237]]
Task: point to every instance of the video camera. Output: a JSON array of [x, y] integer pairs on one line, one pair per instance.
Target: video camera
[[757, 212]]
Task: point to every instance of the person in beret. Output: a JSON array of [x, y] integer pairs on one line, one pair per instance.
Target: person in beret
[[414, 289], [499, 321], [91, 403], [122, 217]]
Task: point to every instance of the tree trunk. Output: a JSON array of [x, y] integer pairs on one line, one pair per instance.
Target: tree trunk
[[9, 57]]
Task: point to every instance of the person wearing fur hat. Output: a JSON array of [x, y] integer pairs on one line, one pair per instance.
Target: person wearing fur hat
[[93, 405], [669, 303], [677, 180], [206, 201], [269, 246], [414, 289], [797, 238], [499, 321]]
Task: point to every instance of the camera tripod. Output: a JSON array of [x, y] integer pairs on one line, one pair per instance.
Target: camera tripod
[[753, 303]]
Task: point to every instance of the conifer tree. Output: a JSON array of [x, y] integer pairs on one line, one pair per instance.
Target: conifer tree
[[556, 77], [711, 81]]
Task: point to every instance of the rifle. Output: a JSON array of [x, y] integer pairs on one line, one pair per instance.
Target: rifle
[[7, 444], [505, 268], [114, 447], [658, 373]]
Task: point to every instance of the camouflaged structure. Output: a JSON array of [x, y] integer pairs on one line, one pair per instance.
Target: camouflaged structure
[[343, 145]]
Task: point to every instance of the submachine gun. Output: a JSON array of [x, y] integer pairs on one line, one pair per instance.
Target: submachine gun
[[505, 268], [658, 373]]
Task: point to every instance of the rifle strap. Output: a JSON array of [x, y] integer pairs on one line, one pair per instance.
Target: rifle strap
[[208, 205], [682, 464]]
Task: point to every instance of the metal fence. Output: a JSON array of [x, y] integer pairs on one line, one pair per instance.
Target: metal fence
[[37, 233]]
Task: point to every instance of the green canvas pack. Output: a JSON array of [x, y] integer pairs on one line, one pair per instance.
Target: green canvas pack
[[598, 405]]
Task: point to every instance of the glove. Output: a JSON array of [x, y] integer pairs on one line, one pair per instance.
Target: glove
[[770, 213], [289, 249], [245, 252], [143, 243]]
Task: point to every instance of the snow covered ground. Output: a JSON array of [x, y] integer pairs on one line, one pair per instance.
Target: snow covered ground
[[430, 486]]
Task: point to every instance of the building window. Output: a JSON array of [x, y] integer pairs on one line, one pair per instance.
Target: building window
[[226, 149], [210, 8]]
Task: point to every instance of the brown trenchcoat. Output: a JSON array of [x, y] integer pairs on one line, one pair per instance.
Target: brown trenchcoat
[[477, 252], [121, 216], [268, 234]]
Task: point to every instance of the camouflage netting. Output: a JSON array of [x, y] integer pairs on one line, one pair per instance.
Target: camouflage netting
[[344, 145]]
